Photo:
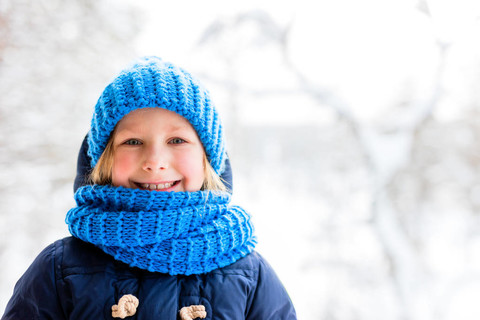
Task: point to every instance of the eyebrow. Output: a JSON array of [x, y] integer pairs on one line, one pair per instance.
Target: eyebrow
[[178, 128]]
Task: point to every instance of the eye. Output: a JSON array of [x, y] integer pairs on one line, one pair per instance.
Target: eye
[[132, 142], [176, 141]]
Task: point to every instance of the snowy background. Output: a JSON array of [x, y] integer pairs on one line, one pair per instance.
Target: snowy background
[[353, 129]]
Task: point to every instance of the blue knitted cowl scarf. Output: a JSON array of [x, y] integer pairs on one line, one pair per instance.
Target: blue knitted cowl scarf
[[168, 232]]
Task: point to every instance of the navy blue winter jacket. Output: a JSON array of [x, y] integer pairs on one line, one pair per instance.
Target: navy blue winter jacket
[[72, 279]]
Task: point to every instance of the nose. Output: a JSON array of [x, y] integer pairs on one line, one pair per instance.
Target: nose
[[155, 159], [154, 166]]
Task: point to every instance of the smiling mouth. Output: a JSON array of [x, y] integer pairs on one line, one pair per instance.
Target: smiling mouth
[[159, 186]]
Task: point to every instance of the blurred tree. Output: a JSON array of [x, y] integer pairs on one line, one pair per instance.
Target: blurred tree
[[375, 181]]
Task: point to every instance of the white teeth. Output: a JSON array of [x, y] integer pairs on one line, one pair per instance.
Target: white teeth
[[156, 186], [167, 185]]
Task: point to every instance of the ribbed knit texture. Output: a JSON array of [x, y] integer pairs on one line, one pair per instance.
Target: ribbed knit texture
[[150, 83], [169, 232]]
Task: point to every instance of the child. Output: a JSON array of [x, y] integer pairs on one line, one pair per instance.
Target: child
[[155, 235]]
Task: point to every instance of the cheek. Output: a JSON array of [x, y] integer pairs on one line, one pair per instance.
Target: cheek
[[123, 164], [192, 169]]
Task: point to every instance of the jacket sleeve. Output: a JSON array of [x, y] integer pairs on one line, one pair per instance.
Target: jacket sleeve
[[35, 294], [270, 300]]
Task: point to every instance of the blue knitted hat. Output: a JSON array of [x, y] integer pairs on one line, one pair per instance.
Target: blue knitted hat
[[151, 82]]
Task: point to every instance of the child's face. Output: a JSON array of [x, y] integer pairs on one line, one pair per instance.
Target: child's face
[[157, 149]]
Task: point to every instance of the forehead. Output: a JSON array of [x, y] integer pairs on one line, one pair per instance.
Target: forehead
[[152, 118]]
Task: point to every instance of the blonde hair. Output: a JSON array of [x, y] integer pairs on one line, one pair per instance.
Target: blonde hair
[[102, 172]]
